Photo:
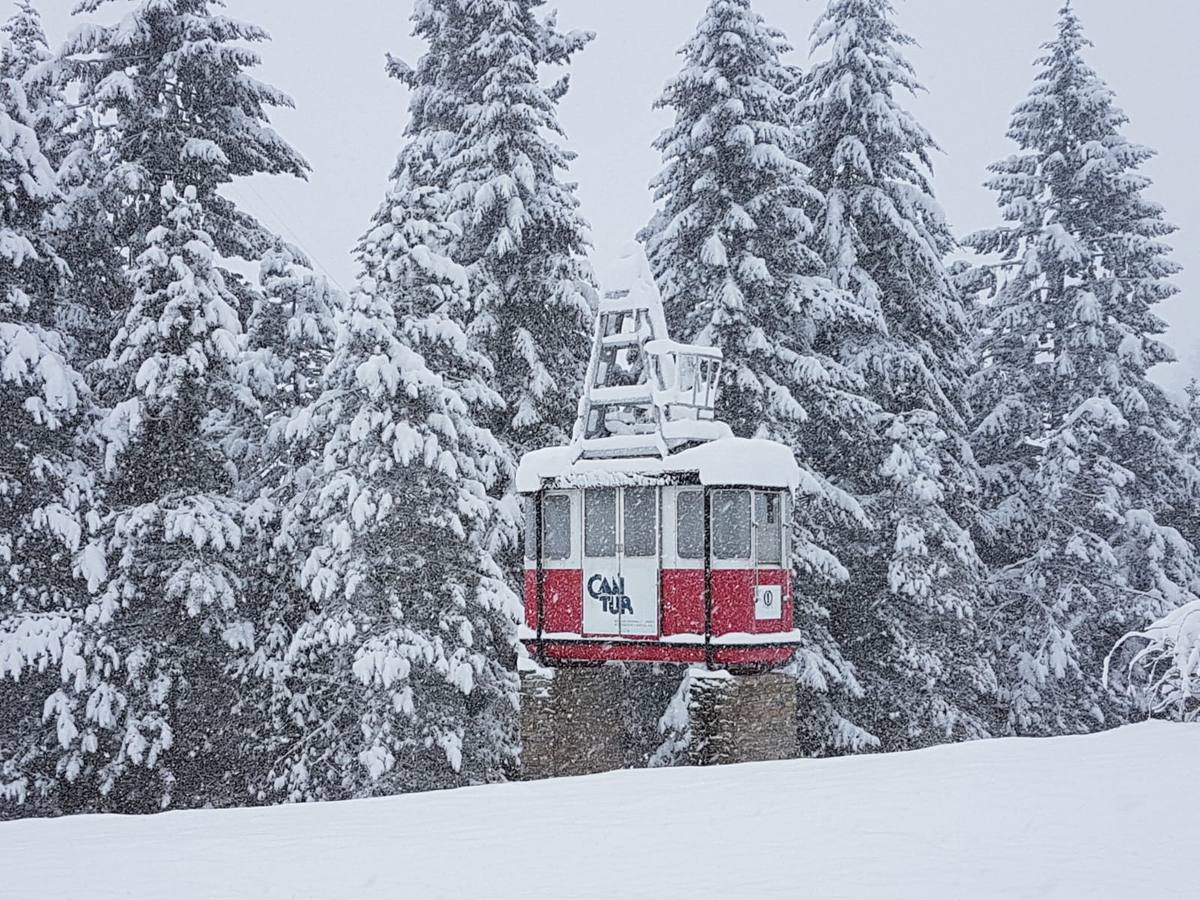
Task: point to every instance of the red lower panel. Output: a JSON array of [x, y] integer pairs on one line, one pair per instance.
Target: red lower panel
[[562, 600], [598, 652], [733, 601], [682, 593], [682, 601], [580, 651], [754, 656], [531, 598]]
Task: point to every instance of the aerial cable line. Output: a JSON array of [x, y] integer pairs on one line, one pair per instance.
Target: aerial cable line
[[299, 242]]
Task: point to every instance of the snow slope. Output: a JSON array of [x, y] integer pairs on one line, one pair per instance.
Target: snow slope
[[1112, 815]]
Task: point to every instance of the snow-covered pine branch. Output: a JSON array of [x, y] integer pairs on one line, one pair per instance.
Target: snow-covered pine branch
[[1167, 664]]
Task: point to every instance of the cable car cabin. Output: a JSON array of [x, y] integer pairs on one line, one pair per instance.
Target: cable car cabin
[[661, 563], [656, 535]]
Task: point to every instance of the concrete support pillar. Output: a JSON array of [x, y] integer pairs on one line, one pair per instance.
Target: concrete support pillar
[[741, 718], [571, 722]]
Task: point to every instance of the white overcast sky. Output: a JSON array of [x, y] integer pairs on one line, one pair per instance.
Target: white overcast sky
[[975, 57]]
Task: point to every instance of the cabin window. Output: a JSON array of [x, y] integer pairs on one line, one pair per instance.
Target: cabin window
[[600, 522], [731, 524], [640, 509], [689, 525], [768, 529], [556, 527], [531, 528]]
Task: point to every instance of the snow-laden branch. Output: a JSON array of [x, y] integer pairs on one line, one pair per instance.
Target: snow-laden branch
[[1170, 662]]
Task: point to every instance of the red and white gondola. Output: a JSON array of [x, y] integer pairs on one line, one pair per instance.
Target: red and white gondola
[[656, 536]]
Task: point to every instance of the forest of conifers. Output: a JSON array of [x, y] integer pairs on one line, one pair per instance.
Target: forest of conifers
[[259, 538]]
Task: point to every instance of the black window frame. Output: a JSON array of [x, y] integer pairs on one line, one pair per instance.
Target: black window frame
[[640, 550], [718, 536], [778, 500], [551, 541], [682, 552], [588, 515]]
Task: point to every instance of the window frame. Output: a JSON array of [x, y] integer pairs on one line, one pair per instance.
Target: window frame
[[730, 561], [757, 530], [587, 517], [531, 524], [571, 560], [752, 560], [680, 555], [653, 493], [558, 499]]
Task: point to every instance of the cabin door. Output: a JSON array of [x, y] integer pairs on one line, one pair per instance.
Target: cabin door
[[620, 561]]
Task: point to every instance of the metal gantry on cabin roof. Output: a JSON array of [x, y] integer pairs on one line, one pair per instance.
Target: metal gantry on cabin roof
[[645, 394]]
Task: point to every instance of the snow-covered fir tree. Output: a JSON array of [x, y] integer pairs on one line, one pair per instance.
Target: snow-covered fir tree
[[51, 666], [1189, 446], [402, 676], [173, 110], [92, 290], [26, 58], [1163, 664], [291, 327], [521, 237], [25, 47], [732, 249], [171, 79], [1082, 471], [1190, 442], [173, 609], [907, 619], [291, 331]]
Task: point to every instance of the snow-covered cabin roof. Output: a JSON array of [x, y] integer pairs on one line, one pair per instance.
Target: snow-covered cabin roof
[[727, 461]]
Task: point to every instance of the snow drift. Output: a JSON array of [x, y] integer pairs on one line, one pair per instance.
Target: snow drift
[[1109, 815]]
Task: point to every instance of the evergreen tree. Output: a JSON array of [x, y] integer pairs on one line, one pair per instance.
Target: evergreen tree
[[398, 672], [1078, 445], [291, 327], [520, 236], [1190, 442], [731, 246], [26, 47], [907, 619], [1189, 446], [171, 81], [51, 665], [171, 102], [401, 678], [173, 609], [291, 332], [1165, 664], [26, 58], [91, 292]]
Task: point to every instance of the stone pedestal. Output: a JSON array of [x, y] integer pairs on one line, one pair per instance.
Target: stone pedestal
[[577, 721], [741, 718], [571, 722]]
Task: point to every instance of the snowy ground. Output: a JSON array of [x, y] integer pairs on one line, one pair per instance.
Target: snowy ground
[[1113, 815]]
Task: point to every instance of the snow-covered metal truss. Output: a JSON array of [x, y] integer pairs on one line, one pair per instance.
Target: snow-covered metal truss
[[645, 394]]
